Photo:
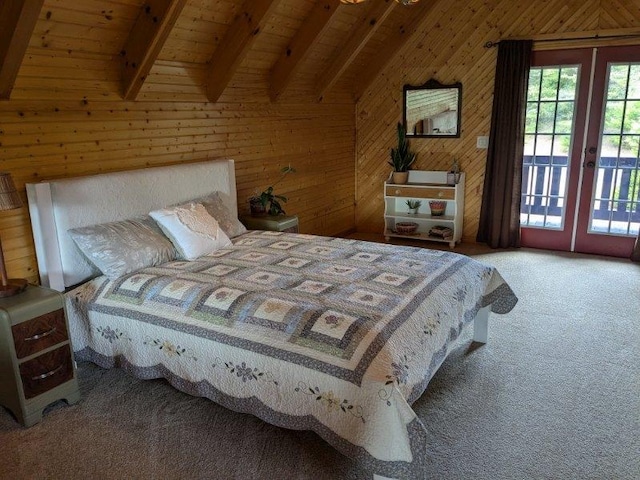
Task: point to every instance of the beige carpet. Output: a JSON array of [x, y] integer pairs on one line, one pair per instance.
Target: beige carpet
[[555, 394]]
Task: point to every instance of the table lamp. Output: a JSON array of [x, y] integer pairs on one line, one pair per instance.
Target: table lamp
[[9, 200]]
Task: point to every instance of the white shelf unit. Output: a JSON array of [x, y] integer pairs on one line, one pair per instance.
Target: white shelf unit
[[424, 185]]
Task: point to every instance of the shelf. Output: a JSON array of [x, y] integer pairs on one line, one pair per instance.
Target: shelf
[[418, 236], [413, 184], [426, 186], [420, 216]]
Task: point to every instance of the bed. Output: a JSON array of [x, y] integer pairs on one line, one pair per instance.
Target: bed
[[333, 335]]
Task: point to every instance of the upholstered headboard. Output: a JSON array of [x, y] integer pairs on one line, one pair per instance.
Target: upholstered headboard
[[57, 206]]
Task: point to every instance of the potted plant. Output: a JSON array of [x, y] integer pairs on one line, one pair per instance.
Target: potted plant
[[414, 205], [401, 158], [267, 202]]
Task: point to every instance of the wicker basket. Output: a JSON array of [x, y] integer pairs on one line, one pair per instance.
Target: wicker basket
[[406, 228], [437, 207]]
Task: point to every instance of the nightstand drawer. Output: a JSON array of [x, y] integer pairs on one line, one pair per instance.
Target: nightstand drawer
[[39, 333], [46, 371]]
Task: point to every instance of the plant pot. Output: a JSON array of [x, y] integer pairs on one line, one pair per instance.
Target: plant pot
[[257, 208], [399, 178], [413, 211], [437, 207]]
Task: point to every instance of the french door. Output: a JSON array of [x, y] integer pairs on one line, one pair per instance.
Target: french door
[[581, 170]]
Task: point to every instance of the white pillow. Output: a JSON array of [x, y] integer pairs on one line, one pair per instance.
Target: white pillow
[[191, 230], [217, 209]]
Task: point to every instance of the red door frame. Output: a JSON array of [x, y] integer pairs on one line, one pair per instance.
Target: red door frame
[[598, 243], [561, 239]]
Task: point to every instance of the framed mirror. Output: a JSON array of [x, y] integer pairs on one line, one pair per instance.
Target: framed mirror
[[432, 109]]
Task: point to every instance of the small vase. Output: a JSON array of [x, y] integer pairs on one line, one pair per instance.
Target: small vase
[[399, 178], [437, 207], [453, 178], [413, 211]]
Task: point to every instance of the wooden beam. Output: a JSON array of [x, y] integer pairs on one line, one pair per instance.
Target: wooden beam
[[290, 60], [392, 46], [17, 20], [235, 45], [152, 27], [357, 40]]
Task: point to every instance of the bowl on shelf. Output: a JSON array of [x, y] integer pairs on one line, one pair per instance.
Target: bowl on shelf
[[437, 207], [406, 228]]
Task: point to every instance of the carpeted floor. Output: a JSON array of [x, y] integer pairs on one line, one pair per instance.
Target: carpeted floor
[[555, 394]]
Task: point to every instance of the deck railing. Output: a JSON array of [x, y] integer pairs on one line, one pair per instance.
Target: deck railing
[[617, 195]]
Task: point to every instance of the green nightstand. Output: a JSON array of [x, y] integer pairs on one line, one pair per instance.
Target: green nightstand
[[36, 358], [277, 223]]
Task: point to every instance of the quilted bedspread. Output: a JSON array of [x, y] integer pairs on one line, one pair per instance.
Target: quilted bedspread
[[332, 335]]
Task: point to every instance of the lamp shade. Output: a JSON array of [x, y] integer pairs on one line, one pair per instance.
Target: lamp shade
[[9, 197]]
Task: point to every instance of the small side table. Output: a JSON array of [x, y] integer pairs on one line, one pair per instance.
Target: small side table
[[36, 358], [277, 223]]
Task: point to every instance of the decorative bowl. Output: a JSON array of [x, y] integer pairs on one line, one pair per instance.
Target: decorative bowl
[[406, 228]]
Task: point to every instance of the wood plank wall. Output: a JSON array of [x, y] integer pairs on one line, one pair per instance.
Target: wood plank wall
[[66, 116], [43, 139], [450, 47]]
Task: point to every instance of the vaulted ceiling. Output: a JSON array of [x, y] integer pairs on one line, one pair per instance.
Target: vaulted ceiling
[[199, 50]]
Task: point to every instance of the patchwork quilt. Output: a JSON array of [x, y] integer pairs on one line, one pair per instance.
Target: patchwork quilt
[[332, 335]]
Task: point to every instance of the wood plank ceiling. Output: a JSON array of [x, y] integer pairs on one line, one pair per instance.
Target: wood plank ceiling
[[17, 20], [305, 50]]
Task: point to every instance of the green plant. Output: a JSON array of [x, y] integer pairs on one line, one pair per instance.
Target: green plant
[[402, 158], [269, 201], [414, 204]]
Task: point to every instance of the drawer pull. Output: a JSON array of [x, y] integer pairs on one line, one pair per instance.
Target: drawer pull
[[397, 192], [41, 335], [48, 374], [440, 194]]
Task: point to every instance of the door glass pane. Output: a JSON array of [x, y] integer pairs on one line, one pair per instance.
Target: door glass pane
[[614, 113], [546, 117], [634, 87], [564, 118], [561, 147], [568, 83], [548, 135], [632, 117], [615, 206], [617, 86]]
